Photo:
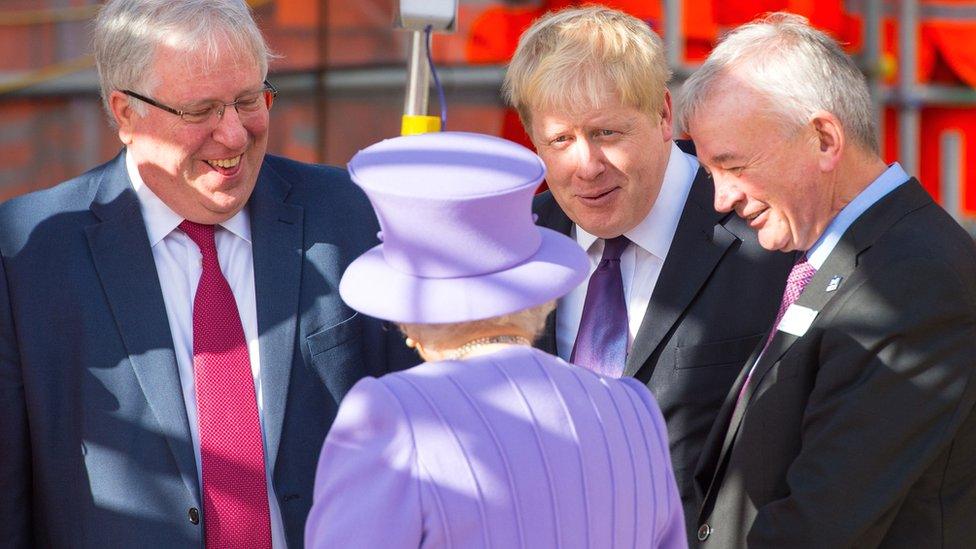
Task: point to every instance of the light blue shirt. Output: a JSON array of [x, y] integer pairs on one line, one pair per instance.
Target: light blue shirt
[[888, 181]]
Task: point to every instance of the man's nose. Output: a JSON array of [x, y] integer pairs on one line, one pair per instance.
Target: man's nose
[[589, 159], [726, 194], [230, 130]]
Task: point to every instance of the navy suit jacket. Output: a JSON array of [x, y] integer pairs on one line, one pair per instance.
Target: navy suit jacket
[[95, 446]]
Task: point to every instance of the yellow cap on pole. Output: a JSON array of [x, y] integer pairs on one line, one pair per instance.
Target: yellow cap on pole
[[413, 124]]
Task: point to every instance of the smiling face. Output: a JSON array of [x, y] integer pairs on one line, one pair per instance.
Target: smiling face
[[605, 165], [768, 173], [203, 172]]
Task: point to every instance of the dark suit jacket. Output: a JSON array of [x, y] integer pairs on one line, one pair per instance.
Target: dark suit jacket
[[95, 446], [861, 432], [717, 294]]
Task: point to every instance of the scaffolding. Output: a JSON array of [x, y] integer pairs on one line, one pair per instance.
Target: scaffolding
[[907, 95]]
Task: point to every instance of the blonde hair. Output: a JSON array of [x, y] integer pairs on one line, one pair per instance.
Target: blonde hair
[[799, 69], [437, 336], [576, 57]]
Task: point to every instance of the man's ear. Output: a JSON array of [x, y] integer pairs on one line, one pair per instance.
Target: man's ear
[[831, 140], [124, 115], [667, 117]]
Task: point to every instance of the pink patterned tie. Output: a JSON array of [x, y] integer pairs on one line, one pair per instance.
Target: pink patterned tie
[[235, 491], [800, 275]]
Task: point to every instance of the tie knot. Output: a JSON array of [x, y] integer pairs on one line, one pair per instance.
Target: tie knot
[[801, 274], [202, 235], [614, 247]]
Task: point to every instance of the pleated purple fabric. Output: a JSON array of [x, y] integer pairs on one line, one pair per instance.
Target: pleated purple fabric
[[512, 449]]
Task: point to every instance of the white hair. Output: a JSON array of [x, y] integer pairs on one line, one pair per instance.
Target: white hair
[[126, 34], [527, 321], [800, 69]]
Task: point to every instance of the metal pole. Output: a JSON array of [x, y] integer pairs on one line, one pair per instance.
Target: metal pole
[[418, 76], [362, 81], [674, 45], [908, 115], [950, 185], [872, 62], [674, 48]]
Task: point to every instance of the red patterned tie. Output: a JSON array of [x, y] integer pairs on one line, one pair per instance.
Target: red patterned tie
[[235, 491]]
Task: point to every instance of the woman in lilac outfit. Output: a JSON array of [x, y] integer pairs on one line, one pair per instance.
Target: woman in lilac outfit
[[490, 443]]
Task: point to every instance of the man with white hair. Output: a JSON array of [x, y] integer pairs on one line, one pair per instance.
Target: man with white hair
[[678, 294], [172, 343], [853, 425]]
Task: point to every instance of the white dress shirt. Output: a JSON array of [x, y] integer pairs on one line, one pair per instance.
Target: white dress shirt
[[641, 262], [179, 266]]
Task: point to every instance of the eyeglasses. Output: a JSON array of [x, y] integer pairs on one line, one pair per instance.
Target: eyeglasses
[[245, 104]]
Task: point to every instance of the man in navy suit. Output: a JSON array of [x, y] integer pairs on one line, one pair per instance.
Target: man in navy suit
[[147, 373]]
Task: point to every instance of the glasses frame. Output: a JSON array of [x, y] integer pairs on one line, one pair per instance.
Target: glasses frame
[[268, 87]]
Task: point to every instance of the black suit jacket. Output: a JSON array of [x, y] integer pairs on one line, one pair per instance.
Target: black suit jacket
[[95, 446], [716, 296], [860, 432]]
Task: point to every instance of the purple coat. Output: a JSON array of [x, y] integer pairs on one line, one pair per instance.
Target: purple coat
[[512, 449]]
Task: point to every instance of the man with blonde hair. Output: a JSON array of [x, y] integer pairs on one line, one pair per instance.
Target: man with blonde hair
[[854, 423], [678, 294]]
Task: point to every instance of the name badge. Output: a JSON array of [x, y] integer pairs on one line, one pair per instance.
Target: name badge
[[797, 320]]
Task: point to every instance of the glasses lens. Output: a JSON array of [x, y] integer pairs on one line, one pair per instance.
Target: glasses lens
[[251, 103], [199, 116]]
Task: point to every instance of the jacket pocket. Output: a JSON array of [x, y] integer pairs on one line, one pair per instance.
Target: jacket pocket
[[336, 355], [720, 353], [331, 337]]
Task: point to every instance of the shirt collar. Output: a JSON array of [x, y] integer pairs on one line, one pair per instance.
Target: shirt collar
[[888, 181], [161, 220], [656, 231]]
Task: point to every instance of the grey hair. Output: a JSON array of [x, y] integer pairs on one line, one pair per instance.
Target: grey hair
[[800, 69], [527, 321], [126, 34]]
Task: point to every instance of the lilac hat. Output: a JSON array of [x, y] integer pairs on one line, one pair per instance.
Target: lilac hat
[[459, 242]]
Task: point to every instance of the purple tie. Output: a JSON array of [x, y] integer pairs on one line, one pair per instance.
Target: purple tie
[[800, 275], [601, 342]]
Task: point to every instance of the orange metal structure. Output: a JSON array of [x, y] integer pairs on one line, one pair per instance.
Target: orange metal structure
[[46, 137]]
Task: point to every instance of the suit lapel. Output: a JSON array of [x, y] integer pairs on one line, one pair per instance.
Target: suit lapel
[[276, 230], [840, 262], [123, 260], [682, 276], [683, 273], [718, 438], [840, 265]]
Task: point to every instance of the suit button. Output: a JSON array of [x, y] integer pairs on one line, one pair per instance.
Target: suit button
[[704, 531], [194, 515]]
